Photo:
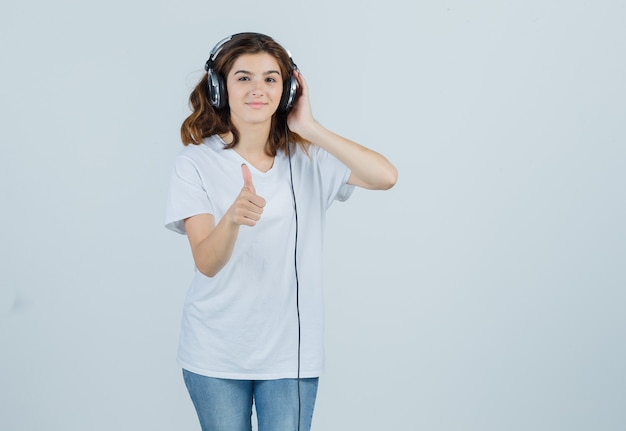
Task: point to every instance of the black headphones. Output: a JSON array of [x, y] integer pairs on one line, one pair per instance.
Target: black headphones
[[218, 96]]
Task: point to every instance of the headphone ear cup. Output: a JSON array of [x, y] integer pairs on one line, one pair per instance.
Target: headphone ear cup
[[290, 89], [216, 90]]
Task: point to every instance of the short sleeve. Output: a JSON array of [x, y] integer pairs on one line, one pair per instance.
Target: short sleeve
[[345, 191], [187, 195], [335, 176]]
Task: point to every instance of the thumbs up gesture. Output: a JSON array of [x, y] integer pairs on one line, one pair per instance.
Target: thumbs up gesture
[[248, 207]]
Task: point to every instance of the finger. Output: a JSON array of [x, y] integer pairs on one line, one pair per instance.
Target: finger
[[251, 201], [249, 208], [257, 201], [247, 178]]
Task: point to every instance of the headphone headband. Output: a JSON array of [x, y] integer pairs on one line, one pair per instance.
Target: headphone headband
[[216, 49]]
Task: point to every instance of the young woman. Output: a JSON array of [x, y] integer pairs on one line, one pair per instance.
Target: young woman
[[250, 189]]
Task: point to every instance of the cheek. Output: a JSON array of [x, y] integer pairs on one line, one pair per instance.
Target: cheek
[[277, 93], [233, 90]]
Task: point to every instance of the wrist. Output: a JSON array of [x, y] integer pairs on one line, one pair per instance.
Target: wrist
[[312, 131]]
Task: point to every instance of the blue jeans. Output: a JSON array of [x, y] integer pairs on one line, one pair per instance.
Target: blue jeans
[[226, 405]]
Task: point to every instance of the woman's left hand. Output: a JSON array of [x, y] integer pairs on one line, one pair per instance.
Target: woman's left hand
[[300, 119], [368, 169]]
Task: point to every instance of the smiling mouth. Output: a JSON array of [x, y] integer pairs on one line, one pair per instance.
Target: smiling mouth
[[256, 105]]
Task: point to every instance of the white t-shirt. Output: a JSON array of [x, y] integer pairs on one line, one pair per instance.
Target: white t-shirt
[[242, 323]]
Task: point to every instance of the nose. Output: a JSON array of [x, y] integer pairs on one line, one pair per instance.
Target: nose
[[257, 88]]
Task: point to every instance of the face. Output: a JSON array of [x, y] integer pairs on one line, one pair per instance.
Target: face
[[255, 86]]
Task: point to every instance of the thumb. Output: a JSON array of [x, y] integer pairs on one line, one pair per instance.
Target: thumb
[[247, 178]]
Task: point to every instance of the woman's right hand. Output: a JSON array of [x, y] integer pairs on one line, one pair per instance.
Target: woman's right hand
[[212, 245], [248, 207]]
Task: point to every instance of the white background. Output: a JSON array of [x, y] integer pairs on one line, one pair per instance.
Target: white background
[[486, 291]]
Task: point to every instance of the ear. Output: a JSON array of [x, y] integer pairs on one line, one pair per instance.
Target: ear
[[216, 90], [290, 94]]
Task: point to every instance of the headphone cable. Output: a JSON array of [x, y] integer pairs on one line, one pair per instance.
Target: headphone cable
[[295, 262]]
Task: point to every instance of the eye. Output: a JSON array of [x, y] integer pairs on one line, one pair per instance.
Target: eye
[[243, 78]]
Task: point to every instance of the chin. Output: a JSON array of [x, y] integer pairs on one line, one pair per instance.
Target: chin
[[257, 117]]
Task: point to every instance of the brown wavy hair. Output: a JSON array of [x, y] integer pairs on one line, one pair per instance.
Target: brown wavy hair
[[205, 120]]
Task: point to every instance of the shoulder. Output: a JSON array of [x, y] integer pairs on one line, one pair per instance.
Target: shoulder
[[307, 154], [205, 155], [315, 155], [212, 144]]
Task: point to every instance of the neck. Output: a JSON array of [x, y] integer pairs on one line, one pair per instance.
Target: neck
[[253, 138]]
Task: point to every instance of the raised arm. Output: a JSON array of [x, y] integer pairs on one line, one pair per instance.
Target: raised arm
[[369, 169]]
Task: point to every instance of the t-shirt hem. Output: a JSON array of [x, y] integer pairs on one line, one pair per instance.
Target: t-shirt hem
[[178, 225], [304, 374]]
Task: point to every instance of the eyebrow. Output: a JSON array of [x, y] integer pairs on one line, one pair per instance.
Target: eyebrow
[[269, 72]]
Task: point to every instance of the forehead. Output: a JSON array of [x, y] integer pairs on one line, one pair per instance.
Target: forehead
[[256, 63]]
